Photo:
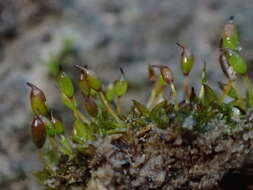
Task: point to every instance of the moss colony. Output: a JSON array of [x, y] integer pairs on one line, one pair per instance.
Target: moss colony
[[201, 142]]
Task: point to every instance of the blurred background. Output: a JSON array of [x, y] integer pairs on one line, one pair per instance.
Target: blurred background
[[36, 35]]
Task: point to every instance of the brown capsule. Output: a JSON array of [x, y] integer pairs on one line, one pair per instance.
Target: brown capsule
[[92, 80], [91, 106], [36, 92], [39, 133], [38, 100], [165, 72]]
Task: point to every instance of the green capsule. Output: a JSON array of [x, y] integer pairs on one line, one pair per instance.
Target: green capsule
[[187, 60], [81, 132], [39, 133], [91, 78], [58, 125], [230, 35], [38, 100], [121, 85], [65, 84], [236, 61]]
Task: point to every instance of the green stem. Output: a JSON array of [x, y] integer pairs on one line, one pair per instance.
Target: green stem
[[174, 94], [53, 143], [186, 88], [156, 90], [78, 114], [226, 90], [151, 98], [249, 88], [44, 162], [117, 100], [107, 106]]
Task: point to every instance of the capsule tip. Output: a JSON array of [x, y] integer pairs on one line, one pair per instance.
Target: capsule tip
[[180, 45], [231, 18]]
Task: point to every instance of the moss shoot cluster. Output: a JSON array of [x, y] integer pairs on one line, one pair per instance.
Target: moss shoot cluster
[[167, 143]]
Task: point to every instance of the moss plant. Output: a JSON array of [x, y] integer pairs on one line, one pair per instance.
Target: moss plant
[[169, 143]]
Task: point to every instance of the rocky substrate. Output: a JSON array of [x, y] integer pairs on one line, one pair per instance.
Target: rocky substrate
[[165, 159]]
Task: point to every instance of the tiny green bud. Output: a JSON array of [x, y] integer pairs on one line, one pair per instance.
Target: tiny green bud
[[187, 60], [236, 61], [121, 85], [165, 72], [38, 100], [39, 133], [230, 35], [91, 78], [65, 84], [58, 125], [91, 106]]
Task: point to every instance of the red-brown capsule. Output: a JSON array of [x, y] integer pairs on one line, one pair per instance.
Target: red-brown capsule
[[92, 80], [91, 106], [165, 72], [39, 133], [38, 100], [36, 92]]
